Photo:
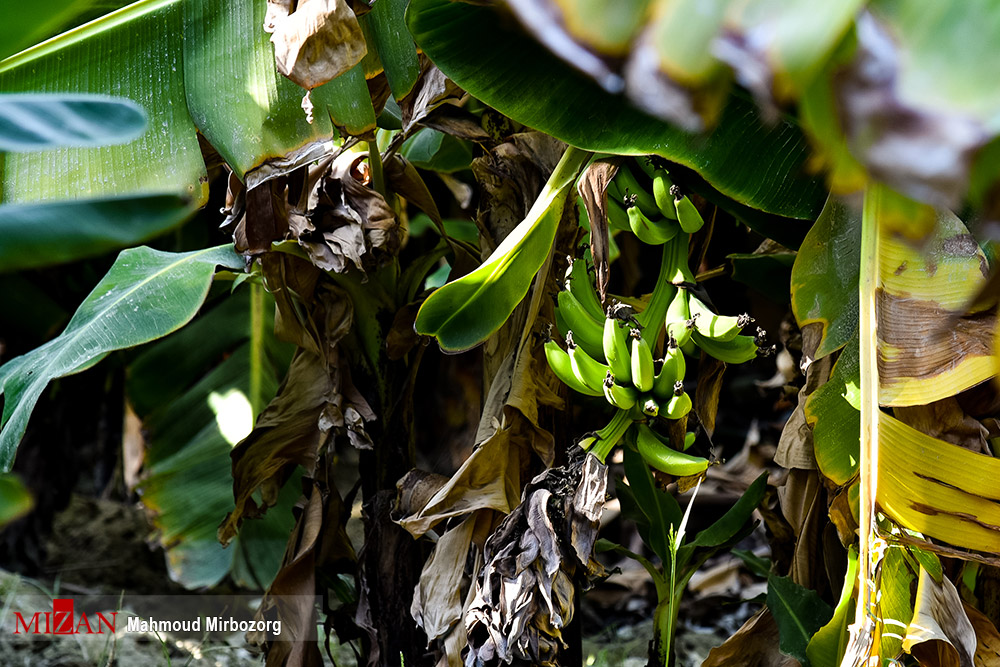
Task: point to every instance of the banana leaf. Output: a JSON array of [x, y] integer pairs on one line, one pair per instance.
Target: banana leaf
[[36, 122], [146, 295], [484, 53]]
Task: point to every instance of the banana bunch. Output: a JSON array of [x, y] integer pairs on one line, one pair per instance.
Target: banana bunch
[[609, 351]]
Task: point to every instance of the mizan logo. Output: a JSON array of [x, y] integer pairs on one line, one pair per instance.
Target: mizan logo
[[61, 621]]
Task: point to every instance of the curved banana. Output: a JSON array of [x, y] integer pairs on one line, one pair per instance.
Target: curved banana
[[561, 365], [659, 455], [688, 216], [678, 318], [735, 351], [710, 325], [600, 443], [652, 317], [615, 194], [661, 194], [680, 404], [586, 369], [678, 272], [587, 331], [616, 349], [673, 370], [583, 289], [617, 217], [618, 395], [641, 358], [631, 189], [651, 232]]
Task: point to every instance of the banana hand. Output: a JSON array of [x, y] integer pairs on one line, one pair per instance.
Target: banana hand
[[651, 231], [735, 351], [587, 331], [674, 369], [710, 325], [586, 369]]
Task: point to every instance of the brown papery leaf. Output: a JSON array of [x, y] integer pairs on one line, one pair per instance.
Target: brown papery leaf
[[987, 638], [437, 600], [317, 42], [266, 216], [945, 420], [753, 645], [940, 634], [593, 188], [706, 395]]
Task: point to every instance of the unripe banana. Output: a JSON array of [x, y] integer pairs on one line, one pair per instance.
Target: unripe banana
[[689, 439], [600, 443], [618, 395], [616, 349], [678, 318], [735, 351], [658, 455], [673, 369], [650, 407], [581, 287], [661, 194], [617, 217], [710, 325], [587, 332], [642, 362], [631, 189], [651, 232], [679, 405], [651, 319], [678, 271], [587, 370], [561, 365], [688, 216]]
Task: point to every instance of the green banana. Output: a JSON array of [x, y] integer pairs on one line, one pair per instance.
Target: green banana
[[690, 349], [710, 325], [680, 404], [600, 443], [673, 369], [586, 330], [735, 351], [641, 358], [631, 189], [620, 396], [615, 194], [651, 318], [616, 349], [579, 284], [651, 231], [678, 318], [659, 455], [677, 269], [650, 408], [617, 217], [689, 439], [561, 365], [688, 216], [587, 370], [661, 194]]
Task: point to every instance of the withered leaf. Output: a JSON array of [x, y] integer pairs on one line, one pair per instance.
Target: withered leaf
[[317, 42], [706, 395], [753, 645], [593, 188], [945, 420], [437, 600], [940, 634]]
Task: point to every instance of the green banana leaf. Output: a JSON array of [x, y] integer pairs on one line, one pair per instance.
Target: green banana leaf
[[825, 275], [51, 233], [194, 66], [799, 612], [191, 419], [464, 313], [34, 22], [36, 122], [832, 411], [146, 295], [826, 647], [484, 53], [395, 48]]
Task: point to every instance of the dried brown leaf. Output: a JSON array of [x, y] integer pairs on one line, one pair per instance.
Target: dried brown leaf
[[754, 645], [437, 600], [940, 634], [317, 42], [706, 395], [946, 420], [593, 187], [987, 639]]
